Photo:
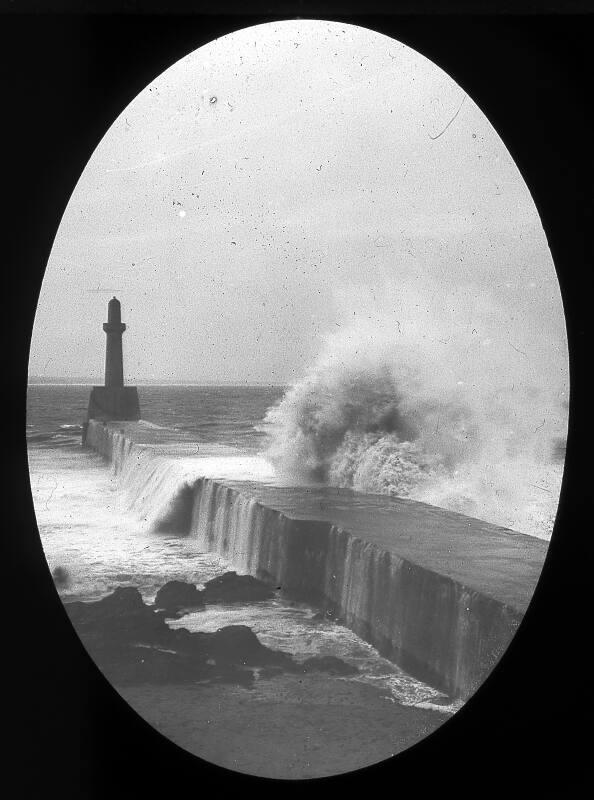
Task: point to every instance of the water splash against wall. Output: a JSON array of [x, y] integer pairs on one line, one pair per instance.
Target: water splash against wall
[[421, 406]]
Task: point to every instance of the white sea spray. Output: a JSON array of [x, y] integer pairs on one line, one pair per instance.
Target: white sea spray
[[425, 406]]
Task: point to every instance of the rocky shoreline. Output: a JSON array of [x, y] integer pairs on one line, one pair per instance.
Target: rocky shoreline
[[227, 698], [131, 642]]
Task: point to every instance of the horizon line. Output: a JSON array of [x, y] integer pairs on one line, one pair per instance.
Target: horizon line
[[58, 382]]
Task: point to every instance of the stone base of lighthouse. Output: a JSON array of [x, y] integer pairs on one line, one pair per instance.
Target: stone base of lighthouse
[[114, 403]]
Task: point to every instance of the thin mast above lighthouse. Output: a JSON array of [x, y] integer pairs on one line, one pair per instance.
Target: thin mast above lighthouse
[[114, 401]]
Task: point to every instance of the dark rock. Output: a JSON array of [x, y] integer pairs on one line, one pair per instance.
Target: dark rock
[[121, 616], [331, 664], [122, 601], [132, 643], [239, 644], [234, 588], [233, 644], [176, 595], [61, 576]]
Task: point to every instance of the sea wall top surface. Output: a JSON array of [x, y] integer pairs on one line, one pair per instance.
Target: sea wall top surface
[[498, 562]]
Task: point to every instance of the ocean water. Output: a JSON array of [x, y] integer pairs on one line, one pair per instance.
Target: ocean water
[[94, 530]]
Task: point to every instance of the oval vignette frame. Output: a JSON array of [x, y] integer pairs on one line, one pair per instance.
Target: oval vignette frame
[[509, 654]]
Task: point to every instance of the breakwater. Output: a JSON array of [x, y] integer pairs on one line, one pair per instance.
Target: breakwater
[[438, 593]]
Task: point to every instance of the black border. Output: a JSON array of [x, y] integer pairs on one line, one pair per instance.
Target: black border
[[67, 76]]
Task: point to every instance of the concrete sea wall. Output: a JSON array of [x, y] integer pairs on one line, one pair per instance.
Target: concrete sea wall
[[444, 630]]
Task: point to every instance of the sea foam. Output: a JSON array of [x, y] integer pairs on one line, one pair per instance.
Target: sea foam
[[433, 416]]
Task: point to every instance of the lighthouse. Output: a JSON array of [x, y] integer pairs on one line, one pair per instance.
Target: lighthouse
[[114, 359], [114, 401]]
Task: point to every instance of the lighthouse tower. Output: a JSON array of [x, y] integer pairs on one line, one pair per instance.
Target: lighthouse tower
[[114, 401], [114, 328]]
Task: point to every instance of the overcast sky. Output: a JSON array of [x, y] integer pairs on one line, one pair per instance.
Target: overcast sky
[[280, 183]]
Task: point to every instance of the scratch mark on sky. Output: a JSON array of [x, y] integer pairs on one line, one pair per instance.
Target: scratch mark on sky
[[450, 122], [518, 350]]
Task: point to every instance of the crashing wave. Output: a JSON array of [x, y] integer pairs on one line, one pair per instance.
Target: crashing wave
[[397, 420]]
